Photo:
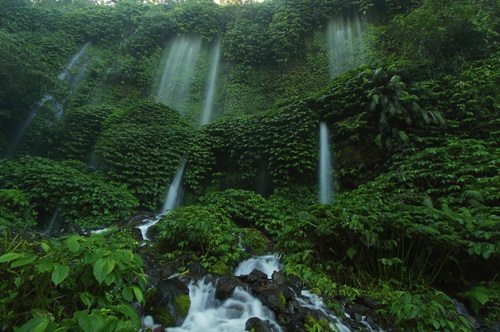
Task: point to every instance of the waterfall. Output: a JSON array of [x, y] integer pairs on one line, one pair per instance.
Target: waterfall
[[66, 76], [325, 166], [267, 264], [211, 84], [174, 191], [209, 314], [171, 201], [345, 43], [177, 72]]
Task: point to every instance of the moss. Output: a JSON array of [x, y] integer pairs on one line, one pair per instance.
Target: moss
[[182, 304], [162, 316], [314, 325], [220, 268], [281, 303]]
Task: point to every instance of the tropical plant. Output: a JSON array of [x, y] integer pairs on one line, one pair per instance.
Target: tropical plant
[[75, 282]]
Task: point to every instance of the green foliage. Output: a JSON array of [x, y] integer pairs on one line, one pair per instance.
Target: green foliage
[[51, 186], [142, 147], [484, 298], [15, 210], [207, 231], [424, 312], [78, 131], [245, 208], [71, 282], [281, 145], [203, 18], [442, 34]]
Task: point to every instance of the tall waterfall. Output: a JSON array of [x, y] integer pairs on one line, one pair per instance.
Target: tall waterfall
[[67, 76], [345, 43], [211, 84], [325, 166], [177, 72]]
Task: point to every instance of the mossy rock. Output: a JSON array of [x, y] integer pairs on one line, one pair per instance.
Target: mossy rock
[[182, 304]]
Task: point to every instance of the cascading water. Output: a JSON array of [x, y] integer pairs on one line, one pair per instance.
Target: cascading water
[[171, 201], [325, 166], [212, 315], [211, 84], [177, 72], [345, 43], [66, 76]]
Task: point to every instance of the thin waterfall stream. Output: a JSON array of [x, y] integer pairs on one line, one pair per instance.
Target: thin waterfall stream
[[67, 76], [211, 85], [325, 178]]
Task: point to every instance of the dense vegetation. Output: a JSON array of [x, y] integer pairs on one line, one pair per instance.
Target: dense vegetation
[[415, 136]]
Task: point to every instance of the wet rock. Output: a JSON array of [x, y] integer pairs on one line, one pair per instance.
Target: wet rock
[[273, 299], [196, 268], [168, 302], [258, 325], [278, 278], [225, 287]]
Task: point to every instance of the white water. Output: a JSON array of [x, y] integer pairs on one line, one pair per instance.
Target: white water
[[172, 200], [267, 264], [325, 166], [345, 43], [211, 85], [313, 301], [208, 314], [177, 72]]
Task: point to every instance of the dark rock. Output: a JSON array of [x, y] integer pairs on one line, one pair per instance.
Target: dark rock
[[168, 302], [225, 287], [258, 325], [196, 268], [273, 299], [278, 278], [369, 302], [295, 282], [288, 293], [159, 329]]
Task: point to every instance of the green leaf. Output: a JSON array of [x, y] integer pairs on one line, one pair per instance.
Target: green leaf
[[351, 252], [10, 257], [73, 244], [86, 298], [128, 294], [138, 294], [90, 323], [38, 324], [45, 247], [60, 273], [30, 258], [130, 312], [102, 268]]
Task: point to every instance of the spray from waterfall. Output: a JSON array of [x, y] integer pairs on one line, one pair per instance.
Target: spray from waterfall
[[325, 178], [345, 43], [211, 84], [178, 66]]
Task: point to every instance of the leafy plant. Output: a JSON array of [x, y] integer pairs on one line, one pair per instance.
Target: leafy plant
[[73, 282]]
